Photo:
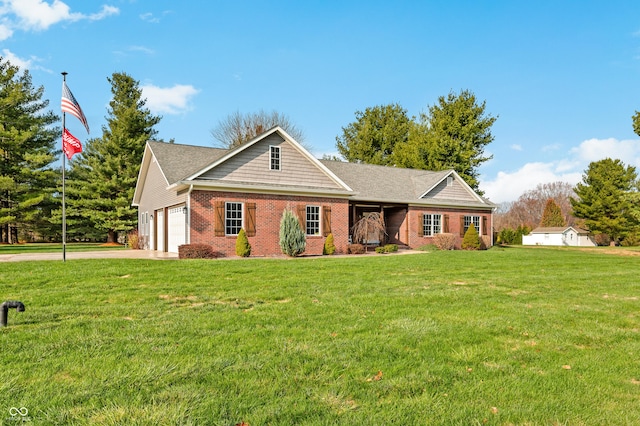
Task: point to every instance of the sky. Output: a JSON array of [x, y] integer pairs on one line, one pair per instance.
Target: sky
[[561, 77]]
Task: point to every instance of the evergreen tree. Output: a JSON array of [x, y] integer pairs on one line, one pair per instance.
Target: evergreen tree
[[243, 248], [636, 123], [373, 137], [103, 178], [471, 239], [27, 151], [292, 239], [552, 216], [329, 246], [604, 198]]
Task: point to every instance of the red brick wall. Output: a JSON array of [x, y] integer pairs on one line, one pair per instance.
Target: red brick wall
[[269, 210], [454, 224]]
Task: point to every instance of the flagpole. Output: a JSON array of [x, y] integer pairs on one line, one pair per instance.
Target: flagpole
[[64, 212]]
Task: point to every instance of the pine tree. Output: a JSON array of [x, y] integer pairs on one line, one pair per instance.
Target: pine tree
[[27, 151], [243, 248], [292, 239], [471, 240], [103, 179], [552, 216], [329, 246]]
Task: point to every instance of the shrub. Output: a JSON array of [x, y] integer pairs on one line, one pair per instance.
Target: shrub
[[445, 241], [355, 249], [380, 250], [197, 251], [133, 239], [292, 239], [428, 247], [631, 240], [471, 240], [329, 246], [243, 248], [602, 239], [390, 248]]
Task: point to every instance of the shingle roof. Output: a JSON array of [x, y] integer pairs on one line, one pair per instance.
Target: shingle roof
[[180, 161], [557, 230], [372, 182]]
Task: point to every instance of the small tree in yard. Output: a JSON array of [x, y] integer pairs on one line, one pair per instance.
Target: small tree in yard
[[471, 240], [292, 239], [552, 216], [329, 246], [243, 248]]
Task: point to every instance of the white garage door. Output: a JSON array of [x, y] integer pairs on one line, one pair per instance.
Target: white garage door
[[176, 227]]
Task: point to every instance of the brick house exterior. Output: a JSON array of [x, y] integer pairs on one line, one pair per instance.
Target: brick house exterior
[[188, 194]]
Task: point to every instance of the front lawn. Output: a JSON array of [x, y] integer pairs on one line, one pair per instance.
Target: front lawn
[[55, 247], [504, 336]]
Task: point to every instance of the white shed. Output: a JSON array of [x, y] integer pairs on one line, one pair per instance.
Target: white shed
[[558, 236]]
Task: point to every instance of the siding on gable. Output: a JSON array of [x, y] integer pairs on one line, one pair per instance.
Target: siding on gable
[[155, 194], [454, 192], [252, 165]]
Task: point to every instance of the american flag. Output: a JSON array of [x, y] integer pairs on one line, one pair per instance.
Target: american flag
[[70, 105]]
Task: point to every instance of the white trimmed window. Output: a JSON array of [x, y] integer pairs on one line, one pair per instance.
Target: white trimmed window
[[313, 220], [431, 224], [232, 218], [468, 220], [274, 156]]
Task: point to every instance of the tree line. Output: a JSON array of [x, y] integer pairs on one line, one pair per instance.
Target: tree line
[[451, 134]]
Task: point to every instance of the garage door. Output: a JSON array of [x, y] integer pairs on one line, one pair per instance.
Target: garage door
[[176, 228]]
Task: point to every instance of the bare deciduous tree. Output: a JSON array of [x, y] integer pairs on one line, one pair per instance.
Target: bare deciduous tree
[[370, 228], [528, 208], [238, 128]]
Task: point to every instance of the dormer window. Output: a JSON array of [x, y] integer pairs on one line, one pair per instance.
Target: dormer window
[[274, 155]]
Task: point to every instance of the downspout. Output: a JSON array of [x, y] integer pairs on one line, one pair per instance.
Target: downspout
[[187, 231]]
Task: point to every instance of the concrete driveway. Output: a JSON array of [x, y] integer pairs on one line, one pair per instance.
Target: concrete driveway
[[102, 254]]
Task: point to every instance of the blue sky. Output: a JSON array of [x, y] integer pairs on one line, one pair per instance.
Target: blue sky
[[563, 77]]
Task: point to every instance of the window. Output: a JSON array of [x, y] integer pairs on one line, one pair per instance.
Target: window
[[313, 220], [449, 181], [468, 220], [274, 163], [232, 218], [431, 224]]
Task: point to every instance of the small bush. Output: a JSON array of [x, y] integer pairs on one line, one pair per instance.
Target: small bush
[[133, 239], [355, 249], [603, 239], [631, 240], [329, 246], [381, 250], [445, 241], [243, 248], [390, 248], [196, 251], [471, 240]]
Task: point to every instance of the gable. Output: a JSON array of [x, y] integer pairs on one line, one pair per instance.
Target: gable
[[252, 165], [450, 188]]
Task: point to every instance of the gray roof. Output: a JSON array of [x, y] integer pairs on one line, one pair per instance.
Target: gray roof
[[179, 161], [369, 182], [374, 183], [558, 230]]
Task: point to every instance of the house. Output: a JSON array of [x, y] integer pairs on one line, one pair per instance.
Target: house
[[558, 236], [193, 194]]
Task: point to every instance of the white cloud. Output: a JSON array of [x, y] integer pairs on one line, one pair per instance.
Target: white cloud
[[142, 49], [627, 151], [516, 147], [548, 148], [23, 64], [508, 186], [169, 100], [38, 15]]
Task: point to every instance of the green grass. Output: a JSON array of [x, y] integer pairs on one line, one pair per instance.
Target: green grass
[[504, 336], [54, 247]]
